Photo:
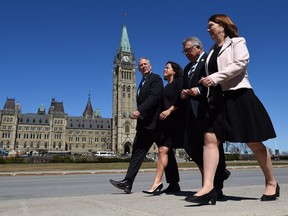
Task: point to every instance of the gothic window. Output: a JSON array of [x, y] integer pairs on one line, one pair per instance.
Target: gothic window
[[127, 129]]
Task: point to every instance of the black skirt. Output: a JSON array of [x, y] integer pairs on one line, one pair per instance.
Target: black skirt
[[241, 117]]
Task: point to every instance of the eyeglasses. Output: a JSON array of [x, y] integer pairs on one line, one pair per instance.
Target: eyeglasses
[[185, 51]]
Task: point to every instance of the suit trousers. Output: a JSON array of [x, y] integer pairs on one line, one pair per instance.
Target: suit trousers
[[171, 170], [141, 145]]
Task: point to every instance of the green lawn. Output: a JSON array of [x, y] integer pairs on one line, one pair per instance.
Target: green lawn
[[107, 166]]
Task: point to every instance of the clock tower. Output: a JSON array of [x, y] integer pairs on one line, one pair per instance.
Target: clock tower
[[124, 96]]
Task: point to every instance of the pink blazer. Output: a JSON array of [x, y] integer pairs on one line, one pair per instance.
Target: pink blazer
[[232, 64]]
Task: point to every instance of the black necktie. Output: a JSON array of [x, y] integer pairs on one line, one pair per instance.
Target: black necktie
[[141, 84]]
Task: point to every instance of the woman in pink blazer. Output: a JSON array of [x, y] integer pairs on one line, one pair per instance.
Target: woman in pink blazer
[[235, 114]]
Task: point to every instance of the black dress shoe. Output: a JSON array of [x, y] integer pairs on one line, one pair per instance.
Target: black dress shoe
[[158, 188], [226, 174], [220, 194], [205, 199], [271, 197], [172, 188], [125, 185]]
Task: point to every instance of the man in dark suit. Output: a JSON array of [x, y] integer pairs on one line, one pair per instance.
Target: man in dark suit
[[149, 96], [194, 97]]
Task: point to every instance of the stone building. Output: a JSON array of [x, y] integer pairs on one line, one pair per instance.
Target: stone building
[[124, 96], [57, 131], [54, 131]]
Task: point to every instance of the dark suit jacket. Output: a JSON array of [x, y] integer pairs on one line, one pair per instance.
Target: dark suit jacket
[[198, 103], [149, 102]]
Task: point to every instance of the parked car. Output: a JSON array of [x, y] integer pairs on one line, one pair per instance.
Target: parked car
[[3, 152], [105, 154]]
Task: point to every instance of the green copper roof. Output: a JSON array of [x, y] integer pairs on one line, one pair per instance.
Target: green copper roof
[[41, 108], [124, 43]]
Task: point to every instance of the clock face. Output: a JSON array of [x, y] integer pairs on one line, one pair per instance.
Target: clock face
[[126, 58]]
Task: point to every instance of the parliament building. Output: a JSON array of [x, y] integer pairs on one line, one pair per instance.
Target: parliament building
[[55, 131]]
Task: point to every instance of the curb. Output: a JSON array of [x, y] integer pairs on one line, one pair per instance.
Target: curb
[[78, 172]]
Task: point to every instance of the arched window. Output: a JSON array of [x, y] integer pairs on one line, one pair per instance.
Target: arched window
[[127, 129]]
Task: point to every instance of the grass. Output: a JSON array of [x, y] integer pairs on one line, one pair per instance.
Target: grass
[[107, 166]]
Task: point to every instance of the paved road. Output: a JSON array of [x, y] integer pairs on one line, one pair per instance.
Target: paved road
[[91, 194]]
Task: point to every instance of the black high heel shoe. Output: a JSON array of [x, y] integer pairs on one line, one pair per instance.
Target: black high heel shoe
[[271, 197], [158, 188], [205, 199]]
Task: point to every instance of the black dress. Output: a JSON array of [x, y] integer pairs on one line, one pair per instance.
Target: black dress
[[172, 134], [237, 115]]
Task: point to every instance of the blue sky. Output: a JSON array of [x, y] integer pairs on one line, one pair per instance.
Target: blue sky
[[64, 49]]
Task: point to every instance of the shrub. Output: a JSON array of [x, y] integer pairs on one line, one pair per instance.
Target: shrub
[[230, 157]]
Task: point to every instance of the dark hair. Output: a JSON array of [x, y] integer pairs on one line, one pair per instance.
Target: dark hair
[[176, 68], [225, 21]]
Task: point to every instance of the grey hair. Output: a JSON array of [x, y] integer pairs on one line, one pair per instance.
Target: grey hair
[[194, 40], [145, 59]]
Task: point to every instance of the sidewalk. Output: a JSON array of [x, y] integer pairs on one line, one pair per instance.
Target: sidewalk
[[244, 202]]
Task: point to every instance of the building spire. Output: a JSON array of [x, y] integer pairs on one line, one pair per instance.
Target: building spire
[[88, 112], [124, 42]]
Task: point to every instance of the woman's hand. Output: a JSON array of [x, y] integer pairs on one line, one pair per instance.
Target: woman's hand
[[206, 81], [164, 114]]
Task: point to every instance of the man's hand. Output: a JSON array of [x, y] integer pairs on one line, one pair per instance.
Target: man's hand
[[135, 114], [193, 92]]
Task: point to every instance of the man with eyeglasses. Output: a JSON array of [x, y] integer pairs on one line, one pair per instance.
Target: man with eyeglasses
[[194, 98]]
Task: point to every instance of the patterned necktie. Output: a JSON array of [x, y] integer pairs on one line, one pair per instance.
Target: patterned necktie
[[191, 71]]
